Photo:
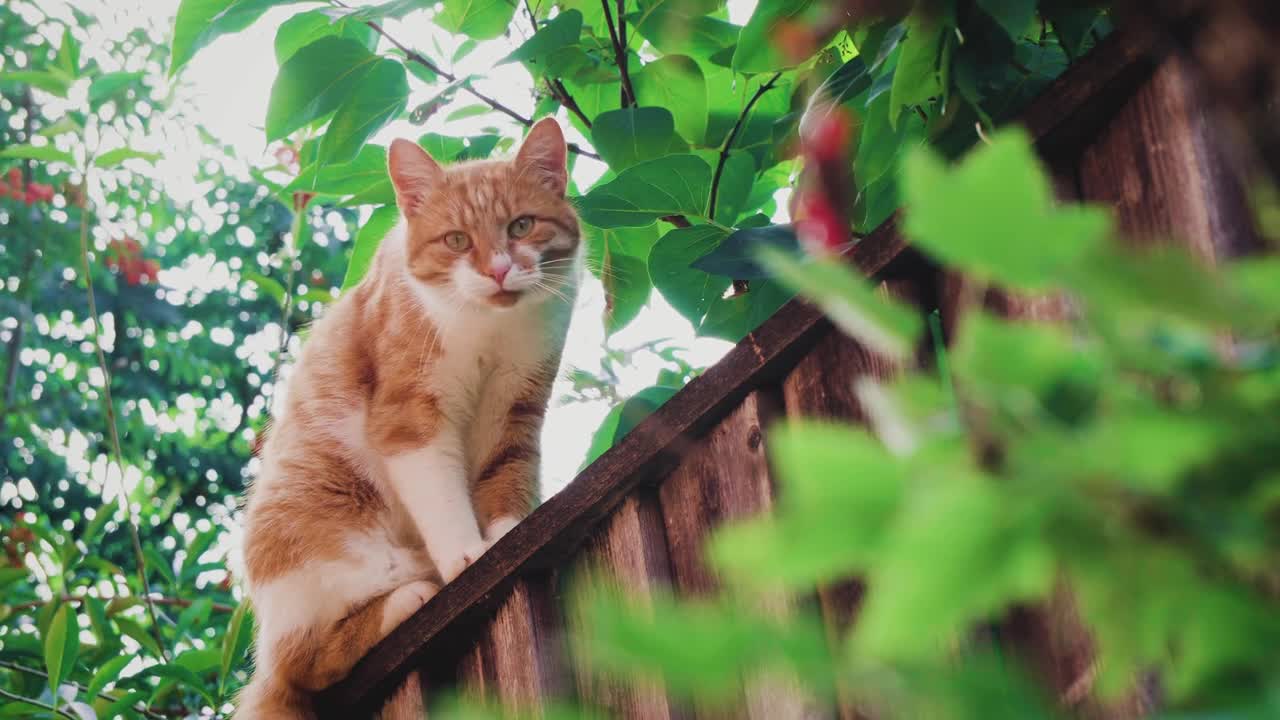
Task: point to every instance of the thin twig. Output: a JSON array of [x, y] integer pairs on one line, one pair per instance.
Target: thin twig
[[18, 698], [139, 708], [733, 135], [620, 57], [109, 405], [162, 601], [677, 220], [426, 62]]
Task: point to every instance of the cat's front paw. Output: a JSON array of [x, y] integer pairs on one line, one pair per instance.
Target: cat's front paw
[[499, 527], [452, 568], [405, 601]]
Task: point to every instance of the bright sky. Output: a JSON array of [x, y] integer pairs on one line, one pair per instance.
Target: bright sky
[[229, 83]]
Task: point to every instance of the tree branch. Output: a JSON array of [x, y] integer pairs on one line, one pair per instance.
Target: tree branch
[[426, 62], [162, 601], [18, 698], [620, 55], [109, 407], [139, 708], [733, 135]]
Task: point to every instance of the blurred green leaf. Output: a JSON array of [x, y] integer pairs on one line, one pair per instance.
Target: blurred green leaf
[[883, 325], [994, 215]]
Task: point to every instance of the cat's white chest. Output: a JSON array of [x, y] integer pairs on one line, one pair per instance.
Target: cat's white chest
[[488, 355]]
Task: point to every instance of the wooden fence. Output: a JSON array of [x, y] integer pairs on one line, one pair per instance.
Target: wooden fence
[[1123, 127]]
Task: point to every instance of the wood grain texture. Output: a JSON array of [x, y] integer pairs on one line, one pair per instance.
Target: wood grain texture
[[517, 659], [726, 478], [627, 553], [822, 386], [1162, 168]]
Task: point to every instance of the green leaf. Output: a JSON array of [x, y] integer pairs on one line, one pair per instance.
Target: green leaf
[[397, 9], [757, 49], [234, 643], [140, 635], [602, 438], [1014, 16], [683, 29], [305, 28], [632, 135], [11, 575], [922, 590], [917, 77], [200, 22], [106, 673], [271, 288], [108, 85], [675, 82], [840, 489], [68, 57], [853, 304], [735, 186], [640, 406], [733, 317], [380, 97], [158, 563], [881, 145], [559, 32], [467, 111], [478, 19], [61, 645], [671, 185], [994, 215], [315, 81], [47, 153], [184, 677], [618, 257], [113, 158], [367, 171], [1072, 24], [366, 244], [52, 81], [690, 291], [736, 257]]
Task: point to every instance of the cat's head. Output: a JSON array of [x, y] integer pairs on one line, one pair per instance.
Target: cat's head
[[489, 232]]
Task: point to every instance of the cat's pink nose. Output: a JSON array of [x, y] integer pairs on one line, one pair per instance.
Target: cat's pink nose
[[499, 270]]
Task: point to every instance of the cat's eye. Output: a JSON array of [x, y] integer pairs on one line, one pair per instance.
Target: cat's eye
[[520, 227], [457, 241]]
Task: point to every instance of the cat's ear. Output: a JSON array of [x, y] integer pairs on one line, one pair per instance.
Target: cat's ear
[[543, 155], [412, 171]]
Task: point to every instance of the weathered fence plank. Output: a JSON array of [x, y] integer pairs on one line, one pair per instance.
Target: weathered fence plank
[[518, 658], [1163, 170], [628, 552]]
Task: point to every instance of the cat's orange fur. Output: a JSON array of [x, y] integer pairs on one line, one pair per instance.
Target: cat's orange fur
[[408, 442]]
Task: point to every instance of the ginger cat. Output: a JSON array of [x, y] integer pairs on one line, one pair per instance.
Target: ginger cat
[[409, 440]]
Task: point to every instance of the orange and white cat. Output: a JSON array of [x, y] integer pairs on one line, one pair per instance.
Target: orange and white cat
[[409, 440]]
